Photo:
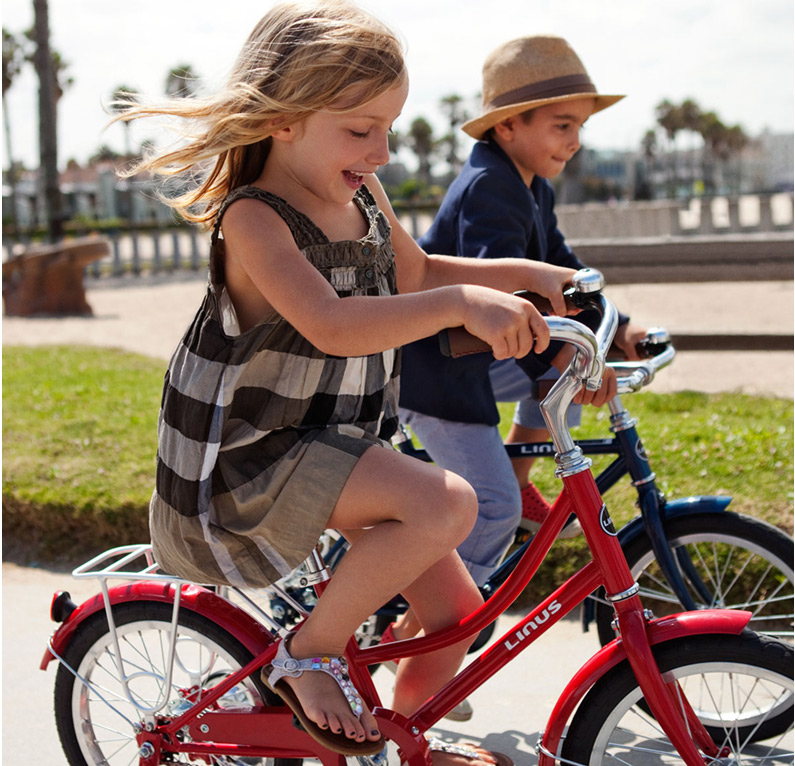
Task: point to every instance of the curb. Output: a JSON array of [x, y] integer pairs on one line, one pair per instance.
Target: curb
[[720, 342]]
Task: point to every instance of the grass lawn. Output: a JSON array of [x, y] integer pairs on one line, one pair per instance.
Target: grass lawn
[[80, 435]]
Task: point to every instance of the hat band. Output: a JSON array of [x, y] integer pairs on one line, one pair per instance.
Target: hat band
[[557, 86]]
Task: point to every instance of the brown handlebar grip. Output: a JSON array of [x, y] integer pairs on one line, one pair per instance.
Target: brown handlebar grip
[[457, 342]]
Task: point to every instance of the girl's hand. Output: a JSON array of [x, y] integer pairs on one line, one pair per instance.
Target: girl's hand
[[550, 281], [510, 325]]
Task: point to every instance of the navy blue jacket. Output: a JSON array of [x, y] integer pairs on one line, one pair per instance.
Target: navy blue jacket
[[488, 212]]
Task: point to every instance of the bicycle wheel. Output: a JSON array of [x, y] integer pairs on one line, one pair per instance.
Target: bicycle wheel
[[95, 731], [728, 560], [735, 684]]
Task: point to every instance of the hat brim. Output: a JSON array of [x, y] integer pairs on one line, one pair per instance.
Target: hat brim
[[478, 127]]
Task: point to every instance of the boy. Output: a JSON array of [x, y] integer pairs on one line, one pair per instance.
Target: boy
[[536, 97]]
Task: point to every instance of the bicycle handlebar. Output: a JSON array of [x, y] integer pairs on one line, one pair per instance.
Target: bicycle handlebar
[[588, 364], [658, 351]]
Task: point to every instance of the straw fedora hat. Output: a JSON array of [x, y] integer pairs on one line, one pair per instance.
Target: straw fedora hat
[[530, 72]]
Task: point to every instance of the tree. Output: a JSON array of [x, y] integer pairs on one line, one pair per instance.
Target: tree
[[420, 141], [182, 82], [104, 154], [643, 185], [48, 129], [13, 59], [456, 115], [721, 143], [669, 118], [123, 98]]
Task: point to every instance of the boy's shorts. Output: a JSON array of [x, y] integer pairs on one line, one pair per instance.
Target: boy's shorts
[[511, 384]]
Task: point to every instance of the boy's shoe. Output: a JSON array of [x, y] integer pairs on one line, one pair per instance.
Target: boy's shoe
[[461, 712], [535, 509]]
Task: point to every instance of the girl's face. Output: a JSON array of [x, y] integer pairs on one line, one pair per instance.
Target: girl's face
[[544, 143], [330, 154]]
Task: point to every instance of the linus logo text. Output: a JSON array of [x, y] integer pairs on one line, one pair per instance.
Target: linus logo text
[[534, 624]]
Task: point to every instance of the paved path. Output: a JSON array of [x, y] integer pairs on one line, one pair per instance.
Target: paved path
[[149, 318]]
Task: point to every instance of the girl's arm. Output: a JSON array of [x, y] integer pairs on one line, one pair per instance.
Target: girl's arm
[[419, 271], [266, 271]]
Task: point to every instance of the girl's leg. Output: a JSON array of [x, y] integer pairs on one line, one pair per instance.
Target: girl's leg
[[411, 515], [441, 597]]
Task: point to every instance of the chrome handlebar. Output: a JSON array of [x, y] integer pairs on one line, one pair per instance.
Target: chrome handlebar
[[632, 376], [586, 368]]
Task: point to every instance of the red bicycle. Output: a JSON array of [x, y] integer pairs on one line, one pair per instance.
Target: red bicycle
[[157, 670]]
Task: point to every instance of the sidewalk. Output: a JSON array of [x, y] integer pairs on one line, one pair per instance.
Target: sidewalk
[[149, 317]]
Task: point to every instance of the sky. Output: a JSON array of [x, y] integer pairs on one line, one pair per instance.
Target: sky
[[733, 57]]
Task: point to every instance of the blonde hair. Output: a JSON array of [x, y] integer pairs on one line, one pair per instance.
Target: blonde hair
[[301, 58]]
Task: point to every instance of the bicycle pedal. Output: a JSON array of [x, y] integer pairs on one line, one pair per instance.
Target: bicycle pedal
[[297, 724]]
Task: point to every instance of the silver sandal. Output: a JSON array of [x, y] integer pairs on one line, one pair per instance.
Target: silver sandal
[[285, 665]]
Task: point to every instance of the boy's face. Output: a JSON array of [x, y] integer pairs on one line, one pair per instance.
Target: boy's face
[[542, 142]]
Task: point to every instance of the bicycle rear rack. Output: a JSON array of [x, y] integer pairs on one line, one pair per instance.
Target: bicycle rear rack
[[136, 562]]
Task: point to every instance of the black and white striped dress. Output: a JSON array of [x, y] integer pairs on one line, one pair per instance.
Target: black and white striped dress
[[259, 431]]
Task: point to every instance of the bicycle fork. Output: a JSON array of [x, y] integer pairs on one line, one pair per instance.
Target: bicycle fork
[[665, 700]]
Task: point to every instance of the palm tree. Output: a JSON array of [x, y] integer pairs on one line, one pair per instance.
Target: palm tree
[[122, 99], [420, 141], [456, 115], [48, 130], [736, 141], [644, 186], [713, 132], [690, 118], [13, 59], [182, 82], [721, 143], [669, 118]]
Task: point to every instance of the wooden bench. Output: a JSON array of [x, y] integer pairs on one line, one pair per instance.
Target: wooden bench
[[48, 279]]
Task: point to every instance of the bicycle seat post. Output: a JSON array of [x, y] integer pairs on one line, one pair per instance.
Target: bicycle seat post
[[314, 570]]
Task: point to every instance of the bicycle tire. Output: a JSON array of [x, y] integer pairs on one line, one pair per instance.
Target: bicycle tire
[[91, 732], [746, 561], [730, 673]]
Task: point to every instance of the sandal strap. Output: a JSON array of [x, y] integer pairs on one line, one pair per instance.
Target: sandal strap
[[284, 664]]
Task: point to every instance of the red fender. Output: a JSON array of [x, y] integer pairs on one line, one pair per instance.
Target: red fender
[[731, 621], [236, 621]]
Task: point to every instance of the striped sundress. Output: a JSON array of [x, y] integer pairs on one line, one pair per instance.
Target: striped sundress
[[259, 431]]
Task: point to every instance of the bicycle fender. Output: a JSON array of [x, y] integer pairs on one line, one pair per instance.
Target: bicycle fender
[[729, 621], [673, 508], [236, 621]]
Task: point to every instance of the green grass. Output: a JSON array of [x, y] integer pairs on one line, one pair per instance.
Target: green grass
[[80, 435], [79, 443]]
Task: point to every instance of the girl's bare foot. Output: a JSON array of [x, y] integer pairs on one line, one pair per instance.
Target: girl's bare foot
[[324, 703], [320, 692]]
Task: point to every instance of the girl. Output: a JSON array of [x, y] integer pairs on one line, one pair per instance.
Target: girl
[[280, 399]]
